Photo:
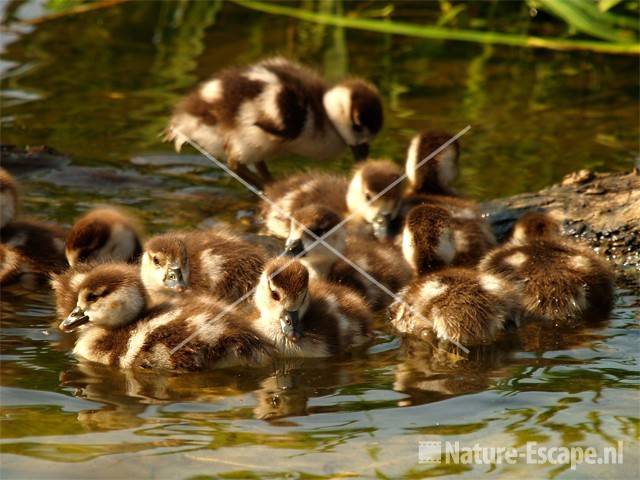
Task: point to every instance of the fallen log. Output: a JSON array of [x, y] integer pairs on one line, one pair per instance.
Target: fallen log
[[601, 210]]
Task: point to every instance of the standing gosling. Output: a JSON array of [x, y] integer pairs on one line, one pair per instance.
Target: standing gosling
[[353, 197], [118, 328], [103, 234], [436, 175], [433, 238], [383, 262], [247, 115], [559, 280], [304, 318], [215, 262]]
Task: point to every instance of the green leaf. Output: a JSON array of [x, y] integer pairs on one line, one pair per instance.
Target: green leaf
[[605, 5]]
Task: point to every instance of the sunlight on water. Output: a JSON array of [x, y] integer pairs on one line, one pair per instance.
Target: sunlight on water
[[104, 98]]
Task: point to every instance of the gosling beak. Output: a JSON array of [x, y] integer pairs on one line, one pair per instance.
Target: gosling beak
[[76, 318], [291, 325], [293, 248], [360, 152], [382, 226], [174, 280]]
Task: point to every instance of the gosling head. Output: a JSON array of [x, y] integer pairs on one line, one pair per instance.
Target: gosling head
[[428, 239], [110, 296], [437, 174], [165, 264], [535, 226], [8, 197], [355, 109], [363, 195], [100, 235], [319, 220], [282, 297]]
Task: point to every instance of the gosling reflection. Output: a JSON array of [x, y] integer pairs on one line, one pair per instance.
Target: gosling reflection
[[126, 394], [431, 370], [287, 391]]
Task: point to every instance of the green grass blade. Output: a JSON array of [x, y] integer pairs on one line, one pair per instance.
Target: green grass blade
[[440, 33]]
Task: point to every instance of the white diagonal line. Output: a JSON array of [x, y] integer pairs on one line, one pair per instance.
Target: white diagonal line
[[317, 239]]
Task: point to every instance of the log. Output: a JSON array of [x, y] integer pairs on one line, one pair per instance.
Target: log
[[601, 210]]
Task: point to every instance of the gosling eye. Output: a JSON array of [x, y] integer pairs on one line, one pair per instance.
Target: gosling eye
[[156, 261], [92, 297], [275, 296], [368, 196]]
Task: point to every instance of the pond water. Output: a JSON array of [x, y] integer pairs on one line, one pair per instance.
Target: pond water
[[99, 87]]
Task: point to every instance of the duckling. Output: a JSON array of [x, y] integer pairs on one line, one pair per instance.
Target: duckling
[[459, 305], [9, 197], [560, 281], [31, 249], [216, 262], [304, 318], [250, 114], [433, 238], [66, 285], [369, 179], [382, 262], [436, 175], [290, 194], [103, 234], [118, 328]]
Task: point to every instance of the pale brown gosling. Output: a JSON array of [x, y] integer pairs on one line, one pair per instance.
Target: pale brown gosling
[[436, 175], [383, 262], [213, 262], [560, 281], [459, 305], [304, 318], [340, 195], [433, 238], [118, 329], [103, 234], [31, 249], [248, 115]]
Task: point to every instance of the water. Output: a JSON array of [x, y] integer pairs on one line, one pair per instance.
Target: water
[[99, 87]]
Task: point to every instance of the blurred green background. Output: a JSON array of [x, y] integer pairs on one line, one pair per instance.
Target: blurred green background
[[100, 84]]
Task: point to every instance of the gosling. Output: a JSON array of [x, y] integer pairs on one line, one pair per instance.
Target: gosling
[[560, 281], [247, 115], [372, 196], [380, 261], [103, 234], [308, 318], [214, 262], [117, 328]]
